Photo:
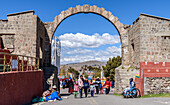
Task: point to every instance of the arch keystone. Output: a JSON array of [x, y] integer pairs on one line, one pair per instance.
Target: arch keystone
[[86, 8]]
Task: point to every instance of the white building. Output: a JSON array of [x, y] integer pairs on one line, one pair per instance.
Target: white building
[[55, 53]]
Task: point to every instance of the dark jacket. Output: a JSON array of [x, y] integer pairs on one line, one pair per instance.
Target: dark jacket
[[86, 84]]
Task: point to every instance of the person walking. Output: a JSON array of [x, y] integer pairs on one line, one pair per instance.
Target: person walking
[[80, 84], [76, 89], [86, 87], [92, 88], [64, 83], [101, 88], [71, 85], [97, 85], [107, 85], [112, 85]]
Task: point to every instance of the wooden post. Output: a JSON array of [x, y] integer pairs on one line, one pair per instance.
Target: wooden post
[[17, 62], [22, 63], [11, 62], [31, 63], [27, 63], [38, 63], [35, 61], [4, 67]]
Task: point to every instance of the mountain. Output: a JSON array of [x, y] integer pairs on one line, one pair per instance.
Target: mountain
[[77, 66]]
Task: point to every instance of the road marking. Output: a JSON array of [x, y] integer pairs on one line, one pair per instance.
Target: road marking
[[94, 101], [90, 102]]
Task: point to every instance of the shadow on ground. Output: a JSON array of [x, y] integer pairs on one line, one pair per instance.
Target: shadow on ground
[[65, 94]]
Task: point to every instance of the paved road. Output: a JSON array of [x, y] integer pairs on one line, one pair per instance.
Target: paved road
[[107, 100]]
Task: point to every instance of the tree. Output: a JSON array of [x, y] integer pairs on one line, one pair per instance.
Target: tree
[[74, 72], [85, 75], [111, 65], [90, 68], [62, 72]]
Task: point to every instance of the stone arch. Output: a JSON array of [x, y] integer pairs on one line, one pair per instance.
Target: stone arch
[[121, 28]]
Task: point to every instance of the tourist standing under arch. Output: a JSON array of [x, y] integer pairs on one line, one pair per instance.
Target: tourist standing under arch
[[81, 84]]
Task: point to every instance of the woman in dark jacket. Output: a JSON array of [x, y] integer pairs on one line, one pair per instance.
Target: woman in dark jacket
[[71, 86], [86, 87]]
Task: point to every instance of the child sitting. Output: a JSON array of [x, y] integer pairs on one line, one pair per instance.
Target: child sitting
[[76, 89]]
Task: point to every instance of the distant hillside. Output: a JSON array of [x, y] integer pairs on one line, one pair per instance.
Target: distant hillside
[[77, 66]]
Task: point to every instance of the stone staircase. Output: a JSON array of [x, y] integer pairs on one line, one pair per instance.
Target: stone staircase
[[121, 78]]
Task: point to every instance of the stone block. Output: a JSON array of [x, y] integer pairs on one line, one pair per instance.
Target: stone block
[[86, 8], [78, 8]]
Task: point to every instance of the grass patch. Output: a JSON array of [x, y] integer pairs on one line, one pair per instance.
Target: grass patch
[[117, 95], [132, 68], [156, 95]]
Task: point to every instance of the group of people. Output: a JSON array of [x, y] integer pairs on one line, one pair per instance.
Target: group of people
[[83, 84], [49, 95]]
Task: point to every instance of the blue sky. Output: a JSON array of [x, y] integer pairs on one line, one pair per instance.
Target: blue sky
[[87, 26]]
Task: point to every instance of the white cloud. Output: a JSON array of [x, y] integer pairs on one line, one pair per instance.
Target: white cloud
[[80, 47], [79, 51], [81, 40], [81, 55], [114, 49]]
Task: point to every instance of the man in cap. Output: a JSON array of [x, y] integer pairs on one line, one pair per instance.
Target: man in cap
[[97, 85]]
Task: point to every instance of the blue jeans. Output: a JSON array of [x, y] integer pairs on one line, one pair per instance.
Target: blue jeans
[[81, 92], [92, 93]]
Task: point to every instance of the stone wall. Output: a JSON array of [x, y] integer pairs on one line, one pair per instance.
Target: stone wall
[[40, 40], [152, 39], [156, 85], [25, 34], [134, 44], [149, 39], [23, 28], [8, 42]]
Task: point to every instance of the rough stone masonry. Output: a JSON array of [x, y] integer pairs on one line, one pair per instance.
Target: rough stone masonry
[[148, 39]]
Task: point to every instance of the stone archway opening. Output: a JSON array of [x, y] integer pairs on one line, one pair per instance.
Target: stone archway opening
[[121, 28], [103, 38]]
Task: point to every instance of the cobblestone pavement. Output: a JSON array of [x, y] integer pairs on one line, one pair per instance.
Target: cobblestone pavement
[[106, 100]]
